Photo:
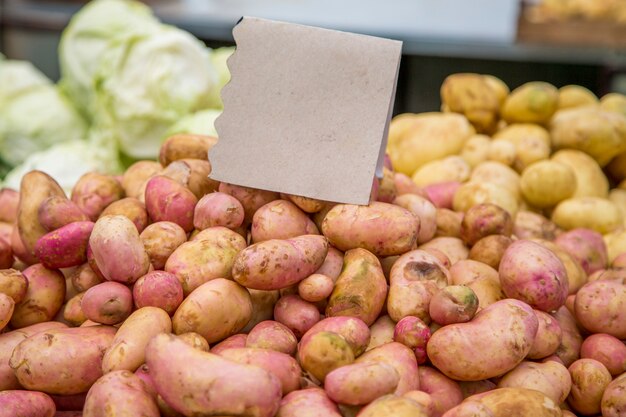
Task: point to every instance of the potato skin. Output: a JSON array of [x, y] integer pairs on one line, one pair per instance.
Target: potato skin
[[594, 213], [484, 220], [280, 219], [533, 102], [117, 249], [585, 246], [218, 209], [453, 304], [489, 250], [84, 278], [473, 193], [361, 383], [469, 409], [309, 402], [548, 338], [160, 240], [57, 211], [272, 335], [182, 145], [94, 192], [569, 349], [195, 382], [168, 200], [360, 290], [62, 361], [107, 303], [381, 228], [14, 284], [44, 296], [214, 310], [444, 392], [158, 289], [64, 247], [295, 313], [393, 405], [606, 349], [517, 402], [250, 198], [589, 380], [20, 403], [131, 208], [470, 352], [613, 400], [424, 210], [352, 329], [600, 307], [119, 393], [551, 378], [401, 358], [590, 180], [276, 264]]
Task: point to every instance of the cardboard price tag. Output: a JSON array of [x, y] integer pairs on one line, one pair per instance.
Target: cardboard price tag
[[307, 110]]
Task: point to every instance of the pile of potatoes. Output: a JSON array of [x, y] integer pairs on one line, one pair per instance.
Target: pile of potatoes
[[486, 278]]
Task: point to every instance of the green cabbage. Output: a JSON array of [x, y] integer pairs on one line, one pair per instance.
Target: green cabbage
[[17, 77], [199, 123], [218, 58], [97, 27]]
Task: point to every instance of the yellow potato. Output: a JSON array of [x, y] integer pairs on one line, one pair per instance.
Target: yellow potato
[[501, 89], [614, 102], [499, 174], [617, 167], [451, 168], [532, 143], [551, 378], [618, 197], [476, 150], [590, 180], [533, 102], [502, 151], [546, 183], [594, 213], [429, 136], [615, 243], [518, 402], [474, 193], [575, 96]]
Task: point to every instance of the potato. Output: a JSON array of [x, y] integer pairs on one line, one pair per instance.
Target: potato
[[168, 200], [352, 329], [183, 146], [19, 250], [386, 187], [474, 96], [294, 259], [158, 289], [120, 393], [590, 180], [322, 352], [569, 349], [585, 246], [490, 249], [64, 247], [601, 307], [589, 380], [36, 186], [130, 207], [448, 223], [315, 287], [393, 405], [481, 278], [494, 342], [453, 248], [192, 174], [546, 183], [614, 102], [84, 277], [381, 228], [507, 402], [250, 198], [425, 400], [606, 349], [550, 378], [6, 254], [94, 192], [118, 250], [414, 334], [281, 219], [575, 96], [194, 340], [9, 202], [21, 403], [469, 388], [427, 137], [310, 402], [73, 312], [295, 313], [382, 332], [199, 382], [533, 274], [281, 365], [57, 211], [263, 303], [483, 220], [425, 213], [613, 399], [453, 304], [61, 361], [532, 143], [272, 335], [107, 303], [137, 175], [548, 338], [576, 275], [469, 409], [450, 168], [533, 225], [7, 305], [44, 296], [502, 151], [214, 310], [160, 240], [405, 185], [306, 204], [401, 358], [474, 193], [14, 284], [415, 277], [533, 102], [444, 392], [440, 194], [476, 149], [218, 209], [361, 383]]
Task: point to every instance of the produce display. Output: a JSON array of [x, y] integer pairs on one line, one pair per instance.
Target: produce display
[[595, 10]]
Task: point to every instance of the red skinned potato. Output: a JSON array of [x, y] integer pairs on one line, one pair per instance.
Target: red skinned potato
[[548, 338], [551, 378], [405, 185], [414, 334], [276, 264], [272, 335], [444, 392], [352, 329], [386, 187], [39, 360], [107, 303], [64, 247], [401, 358], [94, 192], [44, 296], [280, 219], [158, 289], [485, 220], [7, 305], [250, 198], [295, 313], [606, 349], [324, 352], [131, 208], [361, 383], [193, 174], [381, 228], [453, 304], [481, 348], [533, 274], [215, 310], [168, 200], [306, 204], [19, 249], [333, 263], [9, 202], [600, 307], [210, 255], [361, 289], [424, 211], [442, 193], [569, 349], [233, 342], [120, 393], [84, 277], [281, 365], [13, 283], [613, 400], [529, 225], [21, 403], [117, 249], [218, 209], [36, 186], [6, 254], [137, 175], [201, 383], [589, 380], [415, 277], [57, 211], [393, 405], [73, 312], [587, 247], [160, 239], [310, 402], [422, 398], [315, 287], [128, 348]]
